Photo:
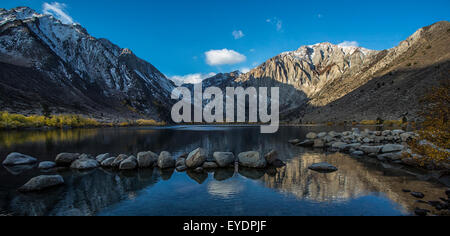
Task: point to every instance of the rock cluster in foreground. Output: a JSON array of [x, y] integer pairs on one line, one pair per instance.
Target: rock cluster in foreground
[[197, 161], [386, 146]]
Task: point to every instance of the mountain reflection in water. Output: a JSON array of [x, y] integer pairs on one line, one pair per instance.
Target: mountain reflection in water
[[360, 186]]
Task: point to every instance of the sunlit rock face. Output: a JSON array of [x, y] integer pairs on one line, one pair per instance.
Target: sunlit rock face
[[310, 67], [354, 179], [326, 82]]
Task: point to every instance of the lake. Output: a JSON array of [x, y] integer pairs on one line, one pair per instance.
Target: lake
[[361, 186]]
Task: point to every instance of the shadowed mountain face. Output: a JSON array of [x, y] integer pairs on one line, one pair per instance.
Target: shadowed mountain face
[[291, 99], [44, 61]]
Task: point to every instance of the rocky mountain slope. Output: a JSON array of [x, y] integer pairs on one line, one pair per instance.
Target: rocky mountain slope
[[393, 83], [43, 61], [326, 82]]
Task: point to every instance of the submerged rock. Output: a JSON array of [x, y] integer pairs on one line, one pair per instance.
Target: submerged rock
[[323, 167], [42, 182], [165, 160], [45, 165], [16, 158], [252, 160], [147, 159], [338, 145], [66, 159], [196, 158], [224, 159]]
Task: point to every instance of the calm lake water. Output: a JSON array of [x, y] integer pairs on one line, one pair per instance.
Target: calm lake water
[[360, 187]]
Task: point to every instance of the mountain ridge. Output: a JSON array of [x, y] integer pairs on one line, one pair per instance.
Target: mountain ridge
[[46, 62], [336, 72], [114, 82]]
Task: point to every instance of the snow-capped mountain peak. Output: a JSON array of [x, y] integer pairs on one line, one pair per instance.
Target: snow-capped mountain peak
[[69, 54]]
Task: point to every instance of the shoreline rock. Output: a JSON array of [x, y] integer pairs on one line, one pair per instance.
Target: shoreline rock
[[108, 162], [386, 146]]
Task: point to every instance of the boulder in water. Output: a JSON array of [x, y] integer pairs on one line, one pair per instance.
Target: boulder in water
[[323, 167], [16, 158]]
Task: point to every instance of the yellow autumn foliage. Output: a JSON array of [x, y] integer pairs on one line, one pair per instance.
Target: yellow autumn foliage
[[434, 135], [14, 121]]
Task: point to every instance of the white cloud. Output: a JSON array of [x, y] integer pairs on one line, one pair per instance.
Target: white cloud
[[190, 78], [223, 57], [349, 44], [252, 50], [244, 70], [276, 22], [237, 34], [58, 11]]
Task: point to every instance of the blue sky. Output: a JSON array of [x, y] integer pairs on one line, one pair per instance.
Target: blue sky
[[202, 37]]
